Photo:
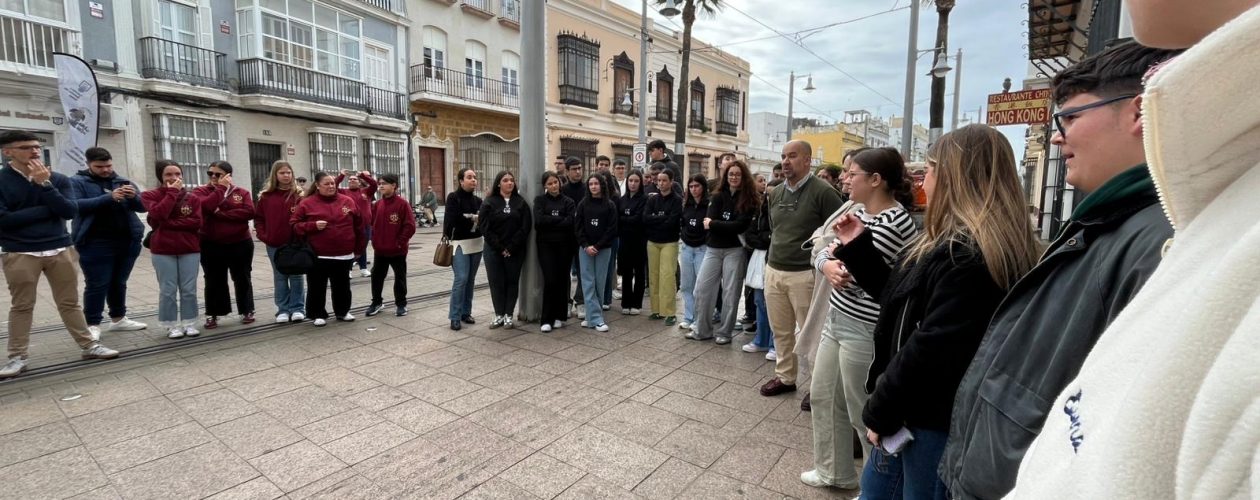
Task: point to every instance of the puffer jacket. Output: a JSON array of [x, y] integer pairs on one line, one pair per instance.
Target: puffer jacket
[[93, 196]]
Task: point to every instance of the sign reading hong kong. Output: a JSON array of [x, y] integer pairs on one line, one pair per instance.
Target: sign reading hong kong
[[1027, 107]]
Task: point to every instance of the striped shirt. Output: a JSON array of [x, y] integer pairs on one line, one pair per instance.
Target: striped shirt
[[891, 230]]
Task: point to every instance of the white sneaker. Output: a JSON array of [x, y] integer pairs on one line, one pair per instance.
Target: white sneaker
[[365, 273], [770, 356], [606, 307], [558, 324], [97, 351], [347, 317], [634, 311], [683, 325], [126, 325], [585, 324], [320, 322], [601, 328], [282, 318], [751, 347], [507, 321], [625, 310], [617, 294], [175, 333], [94, 331], [297, 316], [13, 367], [546, 328], [581, 313], [191, 332]]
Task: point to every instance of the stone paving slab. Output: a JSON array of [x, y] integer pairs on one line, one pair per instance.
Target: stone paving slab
[[418, 411]]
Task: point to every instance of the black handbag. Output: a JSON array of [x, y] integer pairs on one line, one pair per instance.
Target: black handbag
[[295, 258]]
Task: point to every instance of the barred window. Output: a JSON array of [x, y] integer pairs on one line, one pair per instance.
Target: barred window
[[332, 152], [488, 155], [583, 149], [579, 70], [383, 157], [192, 142], [728, 111]]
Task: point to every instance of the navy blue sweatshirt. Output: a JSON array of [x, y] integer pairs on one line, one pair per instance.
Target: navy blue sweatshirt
[[693, 232], [32, 217], [662, 216], [596, 223]]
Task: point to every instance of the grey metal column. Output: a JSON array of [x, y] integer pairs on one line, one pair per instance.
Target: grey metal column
[[643, 71], [791, 98], [907, 112], [533, 126], [957, 87]]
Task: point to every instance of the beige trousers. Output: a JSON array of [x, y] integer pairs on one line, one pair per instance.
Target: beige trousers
[[788, 295], [22, 273]]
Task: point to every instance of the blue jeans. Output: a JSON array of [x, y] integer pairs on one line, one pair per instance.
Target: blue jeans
[[593, 282], [765, 337], [908, 474], [465, 269], [290, 293], [106, 266], [177, 289], [612, 272], [689, 258]]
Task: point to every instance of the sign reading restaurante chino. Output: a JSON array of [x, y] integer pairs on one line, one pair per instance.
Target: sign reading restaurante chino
[[1027, 107]]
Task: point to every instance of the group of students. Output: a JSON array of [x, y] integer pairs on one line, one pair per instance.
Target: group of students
[[209, 225]]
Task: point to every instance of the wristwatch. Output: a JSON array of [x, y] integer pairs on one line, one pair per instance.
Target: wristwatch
[[47, 183]]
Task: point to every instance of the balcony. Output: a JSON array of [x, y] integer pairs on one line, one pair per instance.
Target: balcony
[[463, 86], [31, 44], [395, 6], [479, 8], [260, 76], [510, 13], [664, 113], [727, 128], [182, 63], [697, 122]]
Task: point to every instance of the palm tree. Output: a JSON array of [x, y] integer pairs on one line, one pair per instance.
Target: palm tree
[[937, 108], [684, 87]]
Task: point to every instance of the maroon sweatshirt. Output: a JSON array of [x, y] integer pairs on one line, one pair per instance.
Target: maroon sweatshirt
[[363, 196], [175, 228], [393, 225], [226, 214], [272, 221], [344, 233]]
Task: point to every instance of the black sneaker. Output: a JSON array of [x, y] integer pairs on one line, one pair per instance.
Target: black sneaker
[[401, 311], [375, 309]]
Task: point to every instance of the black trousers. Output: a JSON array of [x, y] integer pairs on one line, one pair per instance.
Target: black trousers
[[504, 275], [326, 272], [380, 266], [632, 266], [750, 309], [578, 298], [217, 261], [554, 260]]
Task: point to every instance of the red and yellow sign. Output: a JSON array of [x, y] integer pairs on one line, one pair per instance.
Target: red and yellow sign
[[1027, 107]]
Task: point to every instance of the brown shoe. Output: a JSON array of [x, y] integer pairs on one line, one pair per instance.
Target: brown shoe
[[776, 387], [805, 403]]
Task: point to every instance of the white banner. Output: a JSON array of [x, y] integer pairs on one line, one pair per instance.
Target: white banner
[[76, 84]]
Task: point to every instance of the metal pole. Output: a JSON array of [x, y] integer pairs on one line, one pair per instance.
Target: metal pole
[[533, 123], [957, 87], [907, 112], [643, 60], [791, 90]]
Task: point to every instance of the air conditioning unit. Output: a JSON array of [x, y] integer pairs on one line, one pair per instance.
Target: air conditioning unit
[[113, 117]]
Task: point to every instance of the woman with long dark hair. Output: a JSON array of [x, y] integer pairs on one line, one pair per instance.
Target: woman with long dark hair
[[276, 203], [596, 229], [553, 220], [333, 226], [459, 225], [877, 179], [691, 255], [661, 220], [632, 254], [731, 210], [505, 222], [175, 219], [936, 302], [227, 247]]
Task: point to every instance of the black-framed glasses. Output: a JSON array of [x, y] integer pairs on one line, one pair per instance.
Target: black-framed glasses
[[1058, 123], [214, 175]]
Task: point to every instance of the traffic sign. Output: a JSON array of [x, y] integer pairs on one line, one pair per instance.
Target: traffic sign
[[640, 156]]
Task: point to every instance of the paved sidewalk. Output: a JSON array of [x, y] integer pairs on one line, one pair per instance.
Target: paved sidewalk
[[405, 408]]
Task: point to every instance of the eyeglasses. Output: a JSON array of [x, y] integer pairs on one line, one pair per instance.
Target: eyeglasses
[[214, 175], [33, 147], [1071, 112]]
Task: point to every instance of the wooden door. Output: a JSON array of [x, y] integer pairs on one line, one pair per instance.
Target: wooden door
[[433, 172]]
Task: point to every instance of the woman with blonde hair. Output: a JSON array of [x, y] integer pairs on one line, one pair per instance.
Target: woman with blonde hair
[[276, 204], [935, 303]]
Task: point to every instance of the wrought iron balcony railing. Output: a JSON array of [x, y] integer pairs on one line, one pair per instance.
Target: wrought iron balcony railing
[[466, 86], [260, 76], [727, 128], [664, 113], [181, 62]]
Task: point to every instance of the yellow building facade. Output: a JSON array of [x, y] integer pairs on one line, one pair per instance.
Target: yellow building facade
[[830, 142]]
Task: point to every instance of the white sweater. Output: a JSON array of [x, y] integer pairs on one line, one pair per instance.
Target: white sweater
[[1167, 405]]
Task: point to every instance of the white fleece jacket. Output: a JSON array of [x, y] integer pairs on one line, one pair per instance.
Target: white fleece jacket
[[1167, 405]]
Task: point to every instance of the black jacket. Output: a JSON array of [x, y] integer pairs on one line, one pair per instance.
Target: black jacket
[[693, 232], [574, 190], [457, 223], [933, 314], [758, 234], [630, 218], [1041, 334], [505, 224], [553, 220], [596, 223], [662, 217], [727, 221]]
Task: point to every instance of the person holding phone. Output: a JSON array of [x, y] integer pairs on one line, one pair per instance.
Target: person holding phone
[[228, 247], [106, 233], [361, 188]]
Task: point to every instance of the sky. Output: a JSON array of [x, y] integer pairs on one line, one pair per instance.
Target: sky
[[871, 48]]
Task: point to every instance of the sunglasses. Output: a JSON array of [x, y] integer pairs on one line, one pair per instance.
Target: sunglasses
[[1071, 112], [215, 175]]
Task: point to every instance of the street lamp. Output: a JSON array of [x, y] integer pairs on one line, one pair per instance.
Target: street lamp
[[670, 9], [809, 87]]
